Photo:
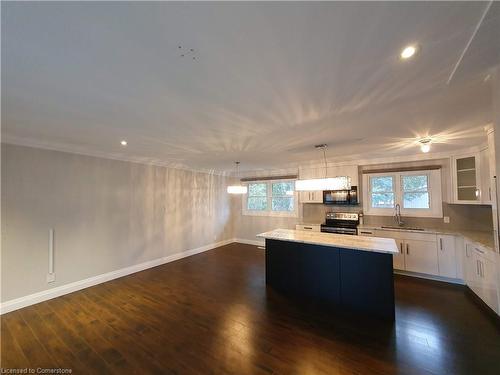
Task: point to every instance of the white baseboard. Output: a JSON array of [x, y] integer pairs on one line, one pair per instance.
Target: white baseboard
[[250, 242], [430, 277], [45, 295]]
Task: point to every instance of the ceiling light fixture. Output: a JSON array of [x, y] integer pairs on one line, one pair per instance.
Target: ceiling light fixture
[[408, 51], [123, 143], [237, 189], [425, 144], [326, 183]]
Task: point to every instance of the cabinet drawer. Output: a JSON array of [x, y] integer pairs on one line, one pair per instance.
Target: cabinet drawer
[[308, 227]]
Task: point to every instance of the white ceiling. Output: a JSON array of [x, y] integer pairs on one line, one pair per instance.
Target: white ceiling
[[269, 80]]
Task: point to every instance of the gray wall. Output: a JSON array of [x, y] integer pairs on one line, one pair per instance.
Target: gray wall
[[107, 215]]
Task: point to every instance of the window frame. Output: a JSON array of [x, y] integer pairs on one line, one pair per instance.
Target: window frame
[[269, 211], [433, 189]]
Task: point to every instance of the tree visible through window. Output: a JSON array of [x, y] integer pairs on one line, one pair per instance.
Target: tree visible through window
[[257, 197], [282, 196], [415, 191], [382, 192], [273, 198]]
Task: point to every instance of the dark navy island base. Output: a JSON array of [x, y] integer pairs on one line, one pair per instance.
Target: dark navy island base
[[351, 280]]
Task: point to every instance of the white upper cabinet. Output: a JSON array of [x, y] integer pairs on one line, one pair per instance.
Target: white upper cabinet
[[467, 177], [484, 160]]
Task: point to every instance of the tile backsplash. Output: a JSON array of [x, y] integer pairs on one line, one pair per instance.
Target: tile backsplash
[[468, 217]]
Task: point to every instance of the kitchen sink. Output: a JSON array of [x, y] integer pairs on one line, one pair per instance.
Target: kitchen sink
[[402, 228]]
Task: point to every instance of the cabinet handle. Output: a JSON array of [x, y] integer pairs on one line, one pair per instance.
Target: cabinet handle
[[489, 190], [401, 247], [408, 249], [441, 244], [366, 232], [477, 267], [479, 250], [308, 228], [481, 269]]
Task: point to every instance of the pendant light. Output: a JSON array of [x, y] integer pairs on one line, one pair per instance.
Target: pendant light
[[326, 183], [237, 189]]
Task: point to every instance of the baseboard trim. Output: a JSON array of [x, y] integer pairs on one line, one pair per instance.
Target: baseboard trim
[[45, 295], [430, 277], [250, 242]]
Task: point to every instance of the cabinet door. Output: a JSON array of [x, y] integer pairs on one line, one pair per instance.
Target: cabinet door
[[470, 266], [317, 196], [485, 177], [305, 196], [487, 272], [398, 260], [421, 256], [446, 256], [466, 179]]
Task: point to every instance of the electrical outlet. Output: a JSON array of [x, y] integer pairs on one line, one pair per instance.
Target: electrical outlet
[[446, 219], [51, 277]]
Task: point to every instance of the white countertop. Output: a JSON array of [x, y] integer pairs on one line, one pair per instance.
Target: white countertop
[[374, 244], [482, 238]]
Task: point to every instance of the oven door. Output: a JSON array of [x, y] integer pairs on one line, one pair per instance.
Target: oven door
[[339, 230], [336, 197]]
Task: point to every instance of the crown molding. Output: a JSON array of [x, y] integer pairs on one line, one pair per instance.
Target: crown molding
[[59, 147], [287, 168]]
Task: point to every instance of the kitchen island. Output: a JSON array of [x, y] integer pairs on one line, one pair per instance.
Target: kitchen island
[[341, 272]]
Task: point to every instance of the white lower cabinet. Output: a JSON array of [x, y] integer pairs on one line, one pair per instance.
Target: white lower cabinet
[[481, 274], [422, 252], [447, 259], [421, 256], [398, 260]]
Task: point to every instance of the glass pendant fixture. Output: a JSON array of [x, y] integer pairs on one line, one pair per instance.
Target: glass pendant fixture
[[237, 189], [326, 183]]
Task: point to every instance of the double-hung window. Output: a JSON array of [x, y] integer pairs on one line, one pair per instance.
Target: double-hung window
[[270, 198], [418, 193]]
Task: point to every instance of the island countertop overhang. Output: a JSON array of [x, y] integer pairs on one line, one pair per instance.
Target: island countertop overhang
[[372, 244]]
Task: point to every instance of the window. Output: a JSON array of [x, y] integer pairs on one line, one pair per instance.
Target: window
[[257, 197], [382, 192], [273, 198], [282, 196], [417, 193]]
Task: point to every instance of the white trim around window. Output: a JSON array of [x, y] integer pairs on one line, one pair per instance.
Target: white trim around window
[[433, 191], [268, 211]]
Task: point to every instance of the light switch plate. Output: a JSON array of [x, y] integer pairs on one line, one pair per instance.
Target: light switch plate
[[446, 219], [51, 277]]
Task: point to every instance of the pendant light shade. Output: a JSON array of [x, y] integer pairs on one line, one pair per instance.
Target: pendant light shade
[[327, 183], [237, 189]]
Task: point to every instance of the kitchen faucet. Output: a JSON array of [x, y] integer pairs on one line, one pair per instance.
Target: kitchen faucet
[[397, 215]]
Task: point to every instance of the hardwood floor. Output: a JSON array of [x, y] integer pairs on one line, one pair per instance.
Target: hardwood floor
[[211, 314]]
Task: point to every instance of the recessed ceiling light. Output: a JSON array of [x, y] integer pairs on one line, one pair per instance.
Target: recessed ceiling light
[[123, 143], [425, 144], [408, 51]]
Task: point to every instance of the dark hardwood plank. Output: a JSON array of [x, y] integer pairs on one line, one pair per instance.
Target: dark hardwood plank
[[212, 314]]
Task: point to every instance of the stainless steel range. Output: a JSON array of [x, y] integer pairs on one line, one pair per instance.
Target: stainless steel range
[[341, 223]]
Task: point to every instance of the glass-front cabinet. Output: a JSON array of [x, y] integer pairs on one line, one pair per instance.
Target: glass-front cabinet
[[466, 179]]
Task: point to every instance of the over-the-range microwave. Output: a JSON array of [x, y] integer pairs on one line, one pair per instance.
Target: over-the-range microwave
[[343, 197]]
